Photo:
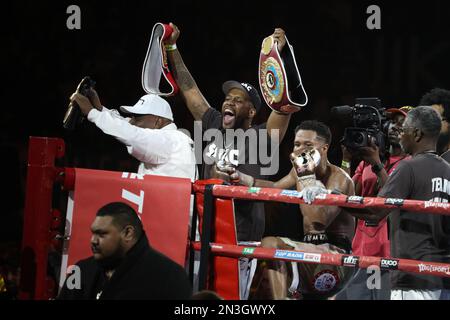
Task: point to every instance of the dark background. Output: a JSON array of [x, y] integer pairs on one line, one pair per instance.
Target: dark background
[[339, 59]]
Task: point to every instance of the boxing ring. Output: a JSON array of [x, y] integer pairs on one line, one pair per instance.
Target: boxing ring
[[213, 206]]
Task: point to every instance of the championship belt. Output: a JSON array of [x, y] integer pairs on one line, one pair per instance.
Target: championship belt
[[274, 75], [155, 64]]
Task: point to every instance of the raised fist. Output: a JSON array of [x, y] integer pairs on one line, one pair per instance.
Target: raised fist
[[174, 35], [280, 37]]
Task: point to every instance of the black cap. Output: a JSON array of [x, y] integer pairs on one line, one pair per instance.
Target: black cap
[[251, 91]]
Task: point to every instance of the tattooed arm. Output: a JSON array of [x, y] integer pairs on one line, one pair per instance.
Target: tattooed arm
[[190, 92]]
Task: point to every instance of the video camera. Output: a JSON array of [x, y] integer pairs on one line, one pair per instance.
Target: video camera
[[73, 113], [369, 121]]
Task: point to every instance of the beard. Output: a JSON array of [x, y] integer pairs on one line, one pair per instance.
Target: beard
[[443, 141], [110, 263], [238, 122], [113, 261]]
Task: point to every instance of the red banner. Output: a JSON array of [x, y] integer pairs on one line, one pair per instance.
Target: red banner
[[163, 204]]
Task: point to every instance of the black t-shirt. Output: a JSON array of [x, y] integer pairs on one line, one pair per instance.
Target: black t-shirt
[[249, 215], [416, 235], [446, 157]]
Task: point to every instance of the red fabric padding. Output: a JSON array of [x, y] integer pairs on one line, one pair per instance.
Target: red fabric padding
[[164, 210], [226, 270]]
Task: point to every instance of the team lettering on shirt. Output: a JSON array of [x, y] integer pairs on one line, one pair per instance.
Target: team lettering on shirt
[[440, 185]]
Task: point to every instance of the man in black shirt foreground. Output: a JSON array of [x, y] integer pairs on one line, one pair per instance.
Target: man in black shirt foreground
[[124, 266]]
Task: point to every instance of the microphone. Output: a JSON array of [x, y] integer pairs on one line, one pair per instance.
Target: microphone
[[72, 116], [73, 113]]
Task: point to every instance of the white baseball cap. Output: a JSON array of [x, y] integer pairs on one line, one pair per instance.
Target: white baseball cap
[[150, 104]]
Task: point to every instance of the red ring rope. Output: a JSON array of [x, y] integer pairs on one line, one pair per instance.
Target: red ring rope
[[292, 196], [406, 265]]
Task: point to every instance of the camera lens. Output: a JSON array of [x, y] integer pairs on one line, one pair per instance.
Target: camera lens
[[358, 138]]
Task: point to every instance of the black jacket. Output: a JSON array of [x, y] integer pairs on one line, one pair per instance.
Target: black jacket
[[144, 274]]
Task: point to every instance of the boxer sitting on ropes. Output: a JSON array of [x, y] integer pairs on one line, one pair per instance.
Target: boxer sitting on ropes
[[327, 229]]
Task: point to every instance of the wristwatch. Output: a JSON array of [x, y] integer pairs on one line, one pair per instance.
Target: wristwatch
[[377, 167]]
